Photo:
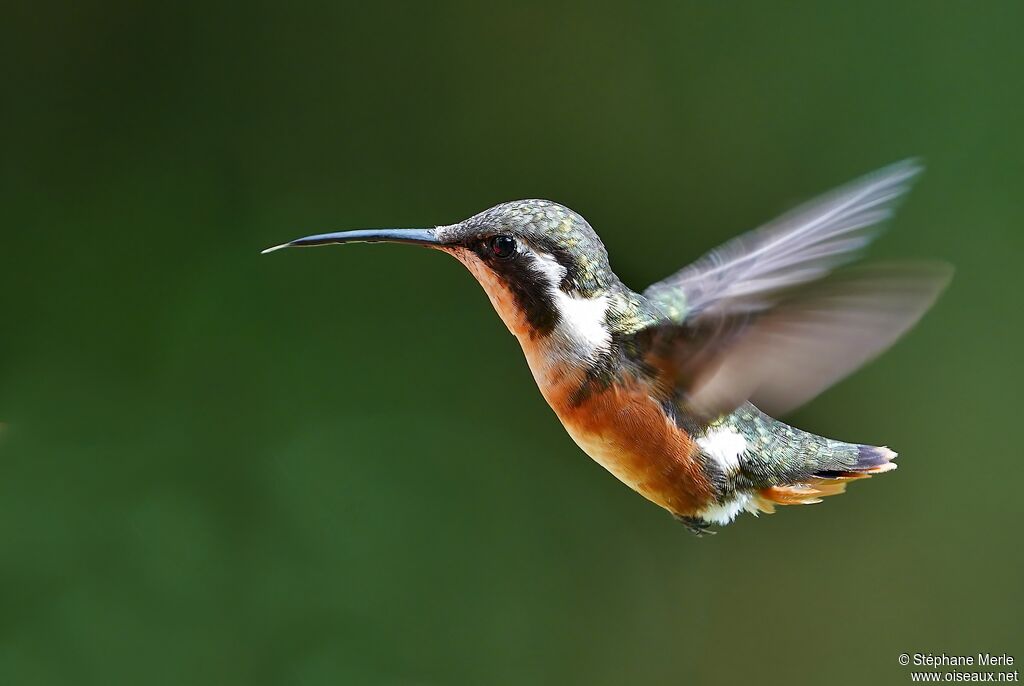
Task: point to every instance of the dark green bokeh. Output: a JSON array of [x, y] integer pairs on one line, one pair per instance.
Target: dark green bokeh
[[332, 466]]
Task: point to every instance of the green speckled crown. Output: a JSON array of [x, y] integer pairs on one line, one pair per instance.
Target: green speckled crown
[[569, 238], [555, 229]]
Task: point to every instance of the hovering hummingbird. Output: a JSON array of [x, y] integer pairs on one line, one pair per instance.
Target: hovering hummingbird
[[671, 389]]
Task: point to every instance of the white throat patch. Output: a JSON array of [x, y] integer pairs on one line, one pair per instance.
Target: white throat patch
[[581, 320]]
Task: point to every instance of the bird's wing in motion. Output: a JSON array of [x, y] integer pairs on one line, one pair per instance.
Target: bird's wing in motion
[[762, 319], [748, 273], [781, 357]]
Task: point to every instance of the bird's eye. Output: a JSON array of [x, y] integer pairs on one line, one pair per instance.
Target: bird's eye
[[503, 246]]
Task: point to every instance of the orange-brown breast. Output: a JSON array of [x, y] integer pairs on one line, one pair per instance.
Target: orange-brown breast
[[622, 427], [625, 431]]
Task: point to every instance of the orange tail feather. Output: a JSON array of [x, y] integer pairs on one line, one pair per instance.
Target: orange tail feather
[[813, 489]]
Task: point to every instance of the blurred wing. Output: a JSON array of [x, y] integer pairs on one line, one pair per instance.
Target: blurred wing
[[749, 273], [781, 358]]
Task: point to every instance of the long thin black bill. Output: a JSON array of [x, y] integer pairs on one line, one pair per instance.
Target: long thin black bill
[[412, 236]]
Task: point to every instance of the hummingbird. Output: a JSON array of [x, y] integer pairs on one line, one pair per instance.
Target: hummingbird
[[674, 390]]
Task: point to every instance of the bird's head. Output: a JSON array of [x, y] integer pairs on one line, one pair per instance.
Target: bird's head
[[543, 267]]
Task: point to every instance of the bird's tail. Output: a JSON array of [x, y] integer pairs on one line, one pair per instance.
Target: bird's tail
[[871, 460]]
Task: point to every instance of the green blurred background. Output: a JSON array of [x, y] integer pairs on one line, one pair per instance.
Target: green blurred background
[[333, 467]]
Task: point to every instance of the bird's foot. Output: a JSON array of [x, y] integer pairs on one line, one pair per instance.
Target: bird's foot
[[696, 525]]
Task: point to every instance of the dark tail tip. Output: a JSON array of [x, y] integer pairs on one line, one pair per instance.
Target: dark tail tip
[[870, 460]]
